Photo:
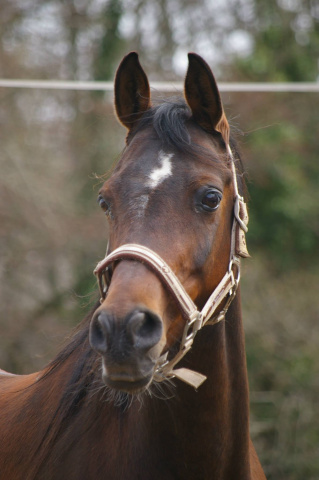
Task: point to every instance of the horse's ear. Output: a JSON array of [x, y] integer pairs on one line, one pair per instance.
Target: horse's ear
[[202, 95], [131, 91]]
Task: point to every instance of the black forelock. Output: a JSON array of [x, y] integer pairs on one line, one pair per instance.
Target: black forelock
[[169, 120]]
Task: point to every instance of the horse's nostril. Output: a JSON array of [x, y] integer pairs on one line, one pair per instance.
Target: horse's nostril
[[135, 322], [99, 332], [145, 328], [99, 329]]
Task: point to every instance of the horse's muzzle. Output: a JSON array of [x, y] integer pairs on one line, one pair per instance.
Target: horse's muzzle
[[127, 347]]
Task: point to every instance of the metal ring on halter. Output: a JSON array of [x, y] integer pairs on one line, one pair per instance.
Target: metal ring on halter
[[235, 261], [191, 329]]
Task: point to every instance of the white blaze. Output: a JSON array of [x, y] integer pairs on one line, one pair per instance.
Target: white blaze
[[158, 175]]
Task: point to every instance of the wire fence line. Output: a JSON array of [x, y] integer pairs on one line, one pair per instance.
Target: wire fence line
[[295, 87]]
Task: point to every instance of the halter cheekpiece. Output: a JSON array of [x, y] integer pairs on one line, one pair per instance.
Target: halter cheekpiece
[[195, 319]]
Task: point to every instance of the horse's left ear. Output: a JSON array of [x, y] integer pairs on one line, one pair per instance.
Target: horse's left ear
[[131, 91], [202, 95]]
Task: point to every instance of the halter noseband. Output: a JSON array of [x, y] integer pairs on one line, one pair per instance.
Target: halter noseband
[[195, 320]]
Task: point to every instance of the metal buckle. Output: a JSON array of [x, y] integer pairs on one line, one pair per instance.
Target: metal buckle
[[190, 330]]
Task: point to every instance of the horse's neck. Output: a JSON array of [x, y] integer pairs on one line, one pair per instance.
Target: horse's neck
[[212, 424]]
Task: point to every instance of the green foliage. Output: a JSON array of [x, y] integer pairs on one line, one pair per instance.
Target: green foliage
[[282, 334], [284, 197], [285, 43]]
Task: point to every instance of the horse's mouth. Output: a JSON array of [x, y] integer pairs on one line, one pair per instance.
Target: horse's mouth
[[127, 383], [129, 378]]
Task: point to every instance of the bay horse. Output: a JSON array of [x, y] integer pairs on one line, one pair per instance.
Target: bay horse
[[153, 383]]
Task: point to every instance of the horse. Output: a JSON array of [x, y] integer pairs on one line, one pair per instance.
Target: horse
[[152, 385]]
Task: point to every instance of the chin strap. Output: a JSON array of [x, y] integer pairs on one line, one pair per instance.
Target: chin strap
[[195, 320]]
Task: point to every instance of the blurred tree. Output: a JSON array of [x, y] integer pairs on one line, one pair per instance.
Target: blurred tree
[[52, 233], [285, 38], [284, 190], [112, 44]]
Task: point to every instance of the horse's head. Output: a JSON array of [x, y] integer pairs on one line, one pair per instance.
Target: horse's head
[[172, 192]]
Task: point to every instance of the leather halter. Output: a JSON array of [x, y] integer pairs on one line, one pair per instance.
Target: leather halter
[[195, 320]]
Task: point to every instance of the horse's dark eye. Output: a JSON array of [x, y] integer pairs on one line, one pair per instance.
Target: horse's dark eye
[[211, 200], [103, 204]]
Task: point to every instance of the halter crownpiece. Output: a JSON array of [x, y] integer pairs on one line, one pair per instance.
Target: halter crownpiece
[[195, 319]]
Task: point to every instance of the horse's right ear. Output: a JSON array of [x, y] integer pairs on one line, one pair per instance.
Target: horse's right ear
[[131, 91]]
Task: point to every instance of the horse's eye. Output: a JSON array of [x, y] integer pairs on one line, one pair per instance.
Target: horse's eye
[[211, 200], [103, 204]]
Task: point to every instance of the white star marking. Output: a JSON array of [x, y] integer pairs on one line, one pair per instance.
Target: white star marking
[[158, 175]]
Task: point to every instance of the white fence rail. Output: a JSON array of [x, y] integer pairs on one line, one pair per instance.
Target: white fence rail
[[301, 87]]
